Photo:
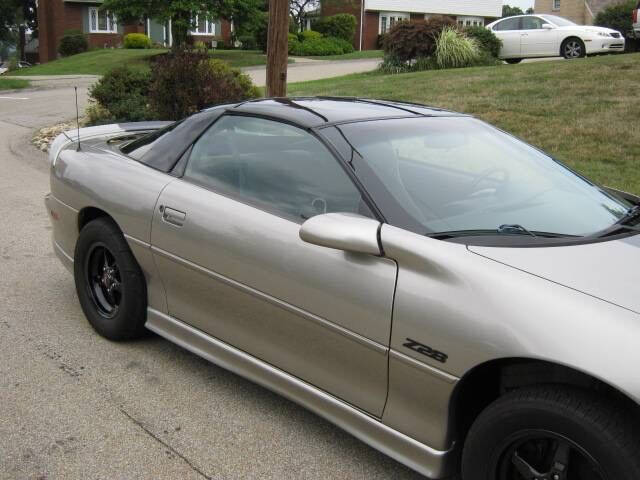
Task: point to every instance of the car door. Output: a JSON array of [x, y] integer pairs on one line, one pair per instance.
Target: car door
[[508, 30], [226, 241], [537, 41]]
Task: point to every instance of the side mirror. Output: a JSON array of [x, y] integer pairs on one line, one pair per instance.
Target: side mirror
[[343, 231], [548, 26]]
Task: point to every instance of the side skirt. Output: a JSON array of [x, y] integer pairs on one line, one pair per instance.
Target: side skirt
[[370, 430]]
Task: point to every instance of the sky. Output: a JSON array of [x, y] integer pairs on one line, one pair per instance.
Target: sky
[[523, 4]]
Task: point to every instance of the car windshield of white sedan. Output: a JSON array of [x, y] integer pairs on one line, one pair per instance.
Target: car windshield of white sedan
[[558, 21], [448, 174]]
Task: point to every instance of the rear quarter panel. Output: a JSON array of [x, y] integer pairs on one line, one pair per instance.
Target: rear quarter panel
[[123, 188]]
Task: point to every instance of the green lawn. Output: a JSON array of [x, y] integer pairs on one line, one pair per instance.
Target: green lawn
[[584, 112], [352, 56], [13, 83], [97, 62]]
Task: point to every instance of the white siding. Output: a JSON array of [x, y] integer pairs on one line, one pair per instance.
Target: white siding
[[479, 8]]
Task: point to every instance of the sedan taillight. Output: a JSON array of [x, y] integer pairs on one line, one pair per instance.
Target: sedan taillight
[[635, 16]]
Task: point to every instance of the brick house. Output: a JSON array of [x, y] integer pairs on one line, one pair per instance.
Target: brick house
[[104, 31], [375, 17], [581, 12]]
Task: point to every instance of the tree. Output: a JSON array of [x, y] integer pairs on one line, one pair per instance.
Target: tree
[[181, 12], [298, 8], [529, 11], [509, 11], [617, 16], [16, 18]]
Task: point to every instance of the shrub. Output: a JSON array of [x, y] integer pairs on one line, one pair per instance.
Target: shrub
[[408, 41], [136, 40], [185, 82], [200, 46], [72, 42], [617, 16], [454, 50], [342, 25], [293, 44], [309, 35], [248, 42], [321, 46], [121, 95], [485, 39], [261, 31], [393, 65]]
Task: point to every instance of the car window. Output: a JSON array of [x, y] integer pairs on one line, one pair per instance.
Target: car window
[[274, 166], [459, 174], [532, 23], [508, 24]]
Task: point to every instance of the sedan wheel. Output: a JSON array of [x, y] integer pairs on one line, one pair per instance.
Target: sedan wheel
[[573, 48], [544, 455], [110, 285], [552, 432], [103, 280]]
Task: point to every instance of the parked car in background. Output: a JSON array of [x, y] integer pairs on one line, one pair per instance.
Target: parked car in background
[[445, 292], [530, 36]]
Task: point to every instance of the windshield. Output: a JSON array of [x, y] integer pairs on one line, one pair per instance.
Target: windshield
[[558, 21], [453, 174]]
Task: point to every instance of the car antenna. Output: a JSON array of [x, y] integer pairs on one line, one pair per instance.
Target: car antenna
[[77, 119]]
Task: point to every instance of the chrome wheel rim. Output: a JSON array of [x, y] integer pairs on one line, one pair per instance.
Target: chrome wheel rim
[[544, 455], [573, 49], [103, 280]]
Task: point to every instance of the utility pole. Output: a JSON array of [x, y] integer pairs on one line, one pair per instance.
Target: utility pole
[[277, 48]]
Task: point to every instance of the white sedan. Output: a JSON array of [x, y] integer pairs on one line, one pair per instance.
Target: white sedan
[[527, 36]]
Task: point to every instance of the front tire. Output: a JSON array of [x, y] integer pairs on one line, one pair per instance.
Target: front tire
[[573, 48], [513, 61], [110, 284], [552, 433]]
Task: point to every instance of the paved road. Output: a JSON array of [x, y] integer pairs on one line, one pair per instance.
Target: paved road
[[76, 406]]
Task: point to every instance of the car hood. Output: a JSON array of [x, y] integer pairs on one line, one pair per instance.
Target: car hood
[[607, 270], [588, 29]]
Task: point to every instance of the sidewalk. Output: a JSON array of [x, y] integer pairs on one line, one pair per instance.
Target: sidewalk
[[306, 69]]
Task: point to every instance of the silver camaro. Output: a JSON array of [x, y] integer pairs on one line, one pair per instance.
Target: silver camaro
[[443, 291]]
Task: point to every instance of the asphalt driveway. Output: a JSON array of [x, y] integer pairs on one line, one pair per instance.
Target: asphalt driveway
[[76, 406]]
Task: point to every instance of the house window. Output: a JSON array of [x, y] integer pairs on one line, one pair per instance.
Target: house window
[[203, 26], [389, 19], [101, 21], [470, 21], [556, 4]]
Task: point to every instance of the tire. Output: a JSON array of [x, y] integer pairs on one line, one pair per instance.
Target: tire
[[573, 48], [109, 282], [512, 61], [598, 435]]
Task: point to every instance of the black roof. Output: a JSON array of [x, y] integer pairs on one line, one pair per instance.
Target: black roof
[[313, 112]]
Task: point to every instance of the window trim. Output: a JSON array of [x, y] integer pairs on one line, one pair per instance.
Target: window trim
[[180, 167], [112, 21], [210, 28], [402, 16]]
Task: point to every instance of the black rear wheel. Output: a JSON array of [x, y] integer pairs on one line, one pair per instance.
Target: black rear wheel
[[110, 285], [552, 433], [513, 61]]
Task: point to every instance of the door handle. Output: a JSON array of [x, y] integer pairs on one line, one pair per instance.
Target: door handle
[[524, 34], [173, 216]]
